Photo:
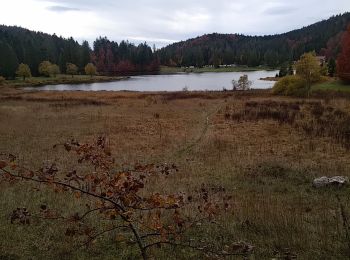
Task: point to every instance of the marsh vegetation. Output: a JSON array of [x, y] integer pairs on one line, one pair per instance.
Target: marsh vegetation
[[262, 150]]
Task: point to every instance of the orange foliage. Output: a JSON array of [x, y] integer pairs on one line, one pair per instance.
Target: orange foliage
[[343, 62], [120, 196]]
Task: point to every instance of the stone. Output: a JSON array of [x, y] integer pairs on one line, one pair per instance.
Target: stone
[[336, 181]]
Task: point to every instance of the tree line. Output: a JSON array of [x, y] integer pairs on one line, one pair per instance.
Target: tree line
[[22, 46], [123, 58]]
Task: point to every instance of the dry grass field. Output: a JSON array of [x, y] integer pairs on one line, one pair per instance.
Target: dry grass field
[[263, 150]]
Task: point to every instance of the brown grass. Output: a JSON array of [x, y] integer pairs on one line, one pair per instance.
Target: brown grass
[[257, 147]]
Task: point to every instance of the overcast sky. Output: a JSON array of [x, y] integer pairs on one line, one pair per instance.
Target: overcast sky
[[165, 21]]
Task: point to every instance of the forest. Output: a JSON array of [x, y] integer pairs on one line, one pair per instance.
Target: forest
[[19, 45], [273, 50]]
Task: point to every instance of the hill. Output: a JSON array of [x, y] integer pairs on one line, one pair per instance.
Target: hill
[[272, 50]]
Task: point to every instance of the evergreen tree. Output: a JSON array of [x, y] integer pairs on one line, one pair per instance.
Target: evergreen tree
[[85, 56], [331, 67], [8, 61], [283, 70], [290, 69]]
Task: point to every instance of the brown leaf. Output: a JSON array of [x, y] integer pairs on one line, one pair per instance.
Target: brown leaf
[[77, 195]]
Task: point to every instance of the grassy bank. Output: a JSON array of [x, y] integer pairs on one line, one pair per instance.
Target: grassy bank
[[60, 79], [332, 85], [263, 150], [174, 70]]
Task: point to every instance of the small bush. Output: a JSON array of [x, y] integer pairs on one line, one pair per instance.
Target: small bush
[[290, 86]]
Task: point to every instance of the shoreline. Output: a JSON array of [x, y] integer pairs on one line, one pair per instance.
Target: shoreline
[[176, 70], [40, 82], [270, 79]]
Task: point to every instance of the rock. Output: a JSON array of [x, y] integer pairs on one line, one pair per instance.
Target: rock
[[337, 181]]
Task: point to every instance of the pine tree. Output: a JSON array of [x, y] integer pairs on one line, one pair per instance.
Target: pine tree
[[290, 69], [283, 70], [85, 55], [331, 67], [8, 61]]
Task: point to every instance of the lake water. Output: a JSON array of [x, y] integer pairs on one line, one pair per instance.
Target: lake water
[[176, 82]]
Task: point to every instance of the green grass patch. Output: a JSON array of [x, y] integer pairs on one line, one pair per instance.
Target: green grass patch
[[333, 86]]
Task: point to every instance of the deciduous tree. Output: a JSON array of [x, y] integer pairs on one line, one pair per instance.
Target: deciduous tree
[[54, 70], [242, 84], [308, 68], [45, 68], [343, 61], [23, 71], [90, 69], [71, 69]]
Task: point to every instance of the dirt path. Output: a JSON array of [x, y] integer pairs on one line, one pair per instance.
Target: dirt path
[[204, 130]]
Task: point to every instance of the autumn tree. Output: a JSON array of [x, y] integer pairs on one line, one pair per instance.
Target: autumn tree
[[124, 201], [90, 69], [23, 71], [343, 61], [54, 70], [308, 68], [71, 69], [45, 68]]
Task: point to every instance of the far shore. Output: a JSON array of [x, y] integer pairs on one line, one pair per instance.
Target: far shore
[[175, 70], [62, 79], [270, 79]]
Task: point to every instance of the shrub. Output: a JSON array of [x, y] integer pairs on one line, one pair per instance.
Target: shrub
[[290, 86]]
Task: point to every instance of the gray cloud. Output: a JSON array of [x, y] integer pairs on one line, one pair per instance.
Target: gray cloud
[[59, 8], [280, 10], [162, 22]]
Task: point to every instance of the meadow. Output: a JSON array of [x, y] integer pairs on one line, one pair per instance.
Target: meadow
[[263, 150]]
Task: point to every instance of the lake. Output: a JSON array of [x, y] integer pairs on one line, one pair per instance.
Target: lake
[[175, 82]]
